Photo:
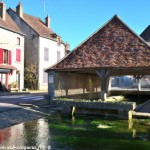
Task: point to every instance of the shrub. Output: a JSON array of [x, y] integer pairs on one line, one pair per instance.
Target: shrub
[[31, 77]]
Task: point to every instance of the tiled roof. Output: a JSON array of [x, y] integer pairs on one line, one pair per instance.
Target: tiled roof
[[9, 24], [38, 25], [113, 45]]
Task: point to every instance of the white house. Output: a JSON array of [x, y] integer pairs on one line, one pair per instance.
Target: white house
[[11, 52], [42, 46]]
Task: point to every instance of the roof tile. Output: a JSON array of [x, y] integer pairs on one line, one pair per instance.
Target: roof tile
[[9, 23], [114, 45], [38, 25]]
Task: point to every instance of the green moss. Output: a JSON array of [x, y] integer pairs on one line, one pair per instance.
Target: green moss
[[82, 133], [88, 143]]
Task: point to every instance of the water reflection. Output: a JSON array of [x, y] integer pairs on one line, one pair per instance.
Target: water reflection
[[77, 133], [34, 133], [43, 134]]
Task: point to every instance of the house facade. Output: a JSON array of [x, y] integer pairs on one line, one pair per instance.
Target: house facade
[[43, 47], [11, 53]]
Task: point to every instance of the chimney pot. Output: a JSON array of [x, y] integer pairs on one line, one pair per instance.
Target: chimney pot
[[19, 10], [67, 48], [2, 10], [47, 21]]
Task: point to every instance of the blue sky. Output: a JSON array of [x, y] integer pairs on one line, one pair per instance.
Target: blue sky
[[75, 20]]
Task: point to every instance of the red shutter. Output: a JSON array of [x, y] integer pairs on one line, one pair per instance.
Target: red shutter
[[18, 55], [10, 57], [1, 55]]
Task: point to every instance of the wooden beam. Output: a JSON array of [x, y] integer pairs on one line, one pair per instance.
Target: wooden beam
[[104, 76], [139, 77]]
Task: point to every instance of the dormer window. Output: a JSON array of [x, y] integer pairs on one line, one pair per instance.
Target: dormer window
[[58, 41]]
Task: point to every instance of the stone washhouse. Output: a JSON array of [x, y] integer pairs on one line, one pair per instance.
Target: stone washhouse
[[113, 50]]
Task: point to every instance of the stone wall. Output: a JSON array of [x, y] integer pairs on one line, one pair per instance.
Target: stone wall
[[120, 109]]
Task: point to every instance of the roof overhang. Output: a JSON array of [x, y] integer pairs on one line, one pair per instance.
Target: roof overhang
[[12, 30], [115, 71], [7, 68]]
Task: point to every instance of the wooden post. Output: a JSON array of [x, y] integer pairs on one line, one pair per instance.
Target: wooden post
[[108, 84], [130, 114], [6, 84], [139, 77], [139, 85], [104, 76]]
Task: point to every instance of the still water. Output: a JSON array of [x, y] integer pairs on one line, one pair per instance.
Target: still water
[[80, 133]]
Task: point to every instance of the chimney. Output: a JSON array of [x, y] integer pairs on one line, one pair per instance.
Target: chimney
[[67, 48], [47, 21], [19, 10], [2, 10]]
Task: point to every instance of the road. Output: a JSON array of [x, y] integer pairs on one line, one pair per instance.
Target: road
[[23, 98]]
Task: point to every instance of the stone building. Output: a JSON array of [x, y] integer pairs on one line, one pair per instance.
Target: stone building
[[11, 52], [43, 47]]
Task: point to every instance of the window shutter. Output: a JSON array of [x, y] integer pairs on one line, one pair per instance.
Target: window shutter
[[58, 56], [18, 55], [46, 54], [1, 55], [10, 58]]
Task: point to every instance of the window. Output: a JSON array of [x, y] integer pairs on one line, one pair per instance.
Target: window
[[45, 77], [46, 54], [18, 41], [5, 56], [18, 55], [58, 56], [58, 41]]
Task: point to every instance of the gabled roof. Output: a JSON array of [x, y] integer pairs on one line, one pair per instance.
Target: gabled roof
[[38, 26], [9, 24], [113, 45]]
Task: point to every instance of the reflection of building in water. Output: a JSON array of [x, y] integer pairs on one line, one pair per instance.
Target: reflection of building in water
[[12, 136], [134, 134], [5, 135], [33, 133], [130, 127], [43, 133]]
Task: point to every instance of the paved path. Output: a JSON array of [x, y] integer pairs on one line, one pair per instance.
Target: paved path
[[24, 98], [6, 107]]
